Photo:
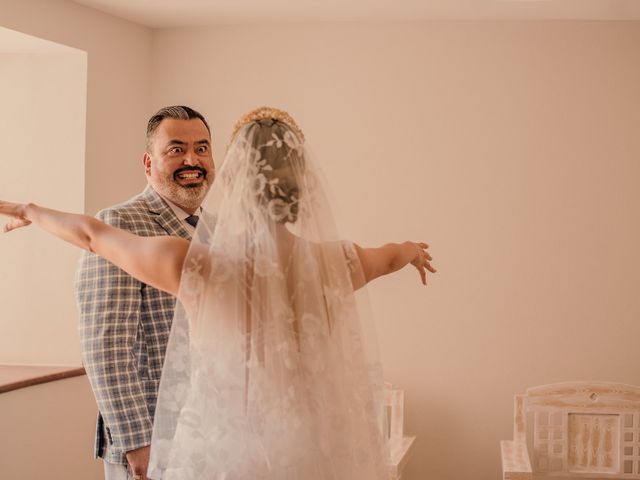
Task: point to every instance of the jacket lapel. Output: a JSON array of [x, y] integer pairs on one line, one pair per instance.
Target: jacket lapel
[[163, 215]]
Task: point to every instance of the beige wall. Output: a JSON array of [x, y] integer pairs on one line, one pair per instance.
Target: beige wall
[[512, 148], [118, 95], [44, 165], [42, 162], [48, 432]]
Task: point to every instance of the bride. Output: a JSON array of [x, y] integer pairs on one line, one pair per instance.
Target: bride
[[270, 371]]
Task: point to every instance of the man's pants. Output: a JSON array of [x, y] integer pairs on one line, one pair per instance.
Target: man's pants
[[113, 471]]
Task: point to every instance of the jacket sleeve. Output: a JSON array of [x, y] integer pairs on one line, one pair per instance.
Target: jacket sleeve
[[109, 301]]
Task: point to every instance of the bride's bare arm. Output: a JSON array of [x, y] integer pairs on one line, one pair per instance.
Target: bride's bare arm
[[391, 257], [156, 261]]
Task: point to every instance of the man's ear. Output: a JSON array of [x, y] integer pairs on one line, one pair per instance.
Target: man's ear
[[146, 160]]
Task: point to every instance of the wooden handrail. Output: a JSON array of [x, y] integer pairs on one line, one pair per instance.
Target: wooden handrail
[[14, 377]]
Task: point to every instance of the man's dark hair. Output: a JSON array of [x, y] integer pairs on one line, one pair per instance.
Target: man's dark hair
[[177, 112]]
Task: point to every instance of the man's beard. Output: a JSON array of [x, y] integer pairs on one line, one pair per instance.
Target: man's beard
[[189, 197]]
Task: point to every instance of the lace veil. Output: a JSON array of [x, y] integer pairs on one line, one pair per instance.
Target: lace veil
[[271, 369]]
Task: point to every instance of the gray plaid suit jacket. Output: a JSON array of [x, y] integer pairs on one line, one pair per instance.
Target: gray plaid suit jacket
[[124, 329]]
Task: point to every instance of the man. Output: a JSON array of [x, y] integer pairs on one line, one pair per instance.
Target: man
[[125, 324]]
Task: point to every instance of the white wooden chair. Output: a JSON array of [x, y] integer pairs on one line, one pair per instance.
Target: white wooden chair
[[575, 430], [399, 444]]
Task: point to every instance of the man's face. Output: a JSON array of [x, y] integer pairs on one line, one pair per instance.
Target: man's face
[[179, 165]]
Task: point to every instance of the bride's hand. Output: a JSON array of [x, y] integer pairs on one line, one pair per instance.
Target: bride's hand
[[15, 211], [421, 260]]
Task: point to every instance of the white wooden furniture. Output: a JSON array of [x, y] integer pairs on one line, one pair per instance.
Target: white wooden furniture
[[399, 444], [575, 430]]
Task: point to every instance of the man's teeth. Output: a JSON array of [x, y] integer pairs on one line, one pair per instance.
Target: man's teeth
[[189, 175]]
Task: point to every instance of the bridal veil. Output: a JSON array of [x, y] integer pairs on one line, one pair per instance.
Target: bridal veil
[[271, 369]]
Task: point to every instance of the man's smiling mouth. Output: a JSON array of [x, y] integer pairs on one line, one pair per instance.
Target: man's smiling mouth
[[191, 174]]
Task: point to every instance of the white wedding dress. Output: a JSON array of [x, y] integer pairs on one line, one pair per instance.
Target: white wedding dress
[[271, 370]]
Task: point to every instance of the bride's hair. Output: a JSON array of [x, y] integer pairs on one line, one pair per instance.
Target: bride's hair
[[268, 113], [282, 165], [277, 165]]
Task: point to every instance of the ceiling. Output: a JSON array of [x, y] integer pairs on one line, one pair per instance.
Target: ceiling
[[180, 13]]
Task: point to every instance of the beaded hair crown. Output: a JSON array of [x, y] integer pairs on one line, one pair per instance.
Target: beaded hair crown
[[263, 113]]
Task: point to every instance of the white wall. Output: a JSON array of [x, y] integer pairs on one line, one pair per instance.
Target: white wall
[[511, 147]]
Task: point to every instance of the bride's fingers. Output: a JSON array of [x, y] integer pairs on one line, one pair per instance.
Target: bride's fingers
[[424, 256], [14, 224], [423, 274], [429, 267], [423, 246]]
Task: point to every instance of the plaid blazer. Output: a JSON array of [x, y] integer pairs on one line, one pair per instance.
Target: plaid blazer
[[124, 329]]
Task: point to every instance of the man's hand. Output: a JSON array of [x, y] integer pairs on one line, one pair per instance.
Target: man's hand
[[138, 460], [16, 211]]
